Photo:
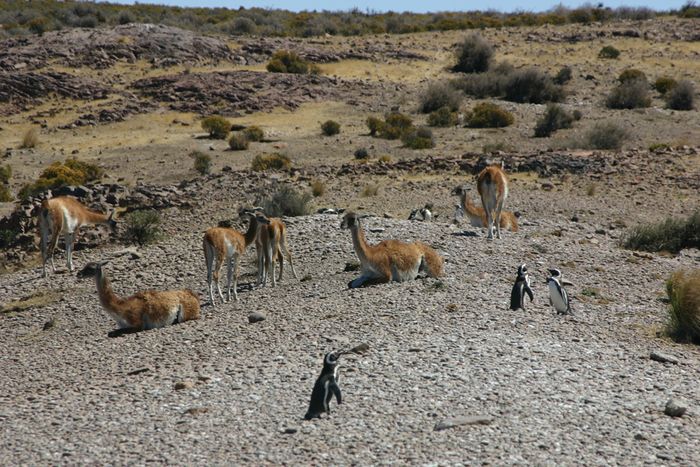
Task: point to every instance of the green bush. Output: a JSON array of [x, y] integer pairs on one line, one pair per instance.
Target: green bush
[[632, 74], [442, 117], [683, 289], [286, 61], [238, 142], [217, 126], [286, 201], [554, 118], [361, 153], [663, 84], [7, 238], [5, 174], [418, 138], [330, 128], [439, 95], [58, 174], [533, 86], [395, 125], [254, 133], [629, 95], [608, 52], [671, 235], [605, 135], [681, 96], [375, 125], [142, 227], [563, 76], [202, 162], [473, 55], [273, 161], [489, 115]]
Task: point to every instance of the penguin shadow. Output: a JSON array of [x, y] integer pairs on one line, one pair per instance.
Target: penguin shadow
[[465, 233]]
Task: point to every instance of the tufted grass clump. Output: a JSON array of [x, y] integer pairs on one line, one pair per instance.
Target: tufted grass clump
[[663, 84], [59, 174], [286, 61], [442, 117], [330, 127], [217, 126], [671, 234], [609, 52], [631, 94], [202, 162], [142, 227], [361, 154], [374, 124], [555, 118], [238, 142], [489, 115], [439, 95], [632, 74], [30, 139], [473, 55], [605, 135], [286, 201], [563, 76], [681, 96], [418, 138], [318, 188], [254, 133], [274, 161], [683, 290]]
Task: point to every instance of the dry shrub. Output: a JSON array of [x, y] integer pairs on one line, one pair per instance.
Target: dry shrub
[[671, 235], [58, 174], [608, 52], [442, 117], [274, 161], [533, 86], [632, 74], [663, 84], [238, 142], [30, 139], [254, 133], [285, 201], [418, 138], [681, 96], [473, 55], [683, 289], [489, 115], [318, 188], [563, 76], [439, 95], [554, 118], [384, 158], [330, 128], [286, 61], [361, 153], [631, 94], [202, 162], [395, 125], [375, 125], [143, 227], [217, 126], [605, 135]]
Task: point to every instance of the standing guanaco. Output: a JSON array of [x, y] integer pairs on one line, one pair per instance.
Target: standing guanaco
[[65, 215], [492, 184], [271, 246]]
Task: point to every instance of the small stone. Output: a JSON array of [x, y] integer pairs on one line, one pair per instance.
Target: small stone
[[574, 219], [290, 430], [187, 384], [640, 437], [463, 420], [256, 317], [49, 324], [361, 348], [139, 371], [663, 358], [675, 408], [547, 186]]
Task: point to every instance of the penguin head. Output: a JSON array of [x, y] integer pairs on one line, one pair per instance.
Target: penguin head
[[522, 269], [556, 273], [331, 358]]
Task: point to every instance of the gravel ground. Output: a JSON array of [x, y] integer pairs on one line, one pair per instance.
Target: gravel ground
[[558, 390]]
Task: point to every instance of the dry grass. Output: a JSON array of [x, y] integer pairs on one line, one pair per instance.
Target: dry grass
[[30, 139], [370, 190], [683, 289], [318, 188]]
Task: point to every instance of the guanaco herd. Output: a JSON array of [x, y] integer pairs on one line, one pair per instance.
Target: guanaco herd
[[389, 260]]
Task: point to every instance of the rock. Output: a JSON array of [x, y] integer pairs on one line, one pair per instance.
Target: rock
[[138, 372], [547, 186], [187, 384], [675, 408], [662, 357], [360, 349], [256, 317], [463, 420], [290, 430]]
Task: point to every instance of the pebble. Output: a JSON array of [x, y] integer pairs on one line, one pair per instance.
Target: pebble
[[256, 317], [675, 408], [663, 358], [187, 384]]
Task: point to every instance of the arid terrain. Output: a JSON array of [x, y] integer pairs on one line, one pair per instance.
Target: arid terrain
[[550, 389]]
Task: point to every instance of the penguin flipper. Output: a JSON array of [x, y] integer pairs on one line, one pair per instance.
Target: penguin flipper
[[336, 390], [528, 290]]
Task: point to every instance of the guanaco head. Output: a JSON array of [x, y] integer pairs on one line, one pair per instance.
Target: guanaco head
[[350, 220], [93, 269], [254, 213]]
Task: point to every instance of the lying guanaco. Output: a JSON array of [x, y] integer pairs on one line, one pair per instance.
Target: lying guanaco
[[65, 215], [389, 259], [492, 184], [271, 246], [144, 310], [477, 215], [226, 244]]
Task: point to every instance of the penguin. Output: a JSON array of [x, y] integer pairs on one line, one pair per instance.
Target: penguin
[[520, 288], [426, 213], [413, 216], [558, 297], [325, 387]]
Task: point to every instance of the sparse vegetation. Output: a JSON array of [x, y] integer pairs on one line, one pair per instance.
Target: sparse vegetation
[[370, 190], [5, 195], [202, 162], [330, 128], [563, 76], [238, 142], [629, 95], [30, 139], [384, 158], [5, 175], [659, 147], [254, 133], [671, 235], [361, 153], [683, 290], [395, 125], [495, 147], [608, 52], [286, 201], [375, 125], [217, 126], [533, 86], [605, 135], [442, 117], [473, 55], [439, 95], [489, 115], [318, 188], [663, 84], [274, 161], [286, 61], [632, 74], [58, 174], [681, 96], [418, 138], [555, 117], [142, 227]]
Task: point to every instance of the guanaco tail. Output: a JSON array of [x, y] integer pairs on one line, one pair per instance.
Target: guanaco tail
[[389, 260], [65, 215]]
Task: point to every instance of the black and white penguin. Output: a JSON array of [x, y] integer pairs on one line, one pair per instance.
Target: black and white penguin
[[520, 288], [558, 297], [325, 387]]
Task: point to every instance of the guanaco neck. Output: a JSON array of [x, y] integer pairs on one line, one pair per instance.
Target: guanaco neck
[[252, 232], [359, 242], [104, 290], [93, 217]]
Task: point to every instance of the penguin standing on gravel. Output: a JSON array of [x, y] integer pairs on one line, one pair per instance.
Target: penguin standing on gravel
[[325, 387], [520, 288], [558, 297]]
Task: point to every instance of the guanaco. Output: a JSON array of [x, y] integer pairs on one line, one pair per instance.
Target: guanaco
[[144, 310], [271, 246], [477, 215], [65, 215], [226, 244], [492, 184], [389, 260]]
